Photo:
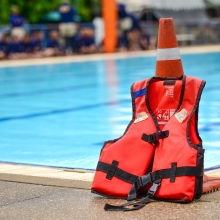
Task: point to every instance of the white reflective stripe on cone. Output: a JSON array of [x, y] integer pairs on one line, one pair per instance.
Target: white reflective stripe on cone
[[168, 54]]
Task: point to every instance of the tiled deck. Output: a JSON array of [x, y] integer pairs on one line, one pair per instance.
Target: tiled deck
[[46, 175], [55, 176], [93, 57]]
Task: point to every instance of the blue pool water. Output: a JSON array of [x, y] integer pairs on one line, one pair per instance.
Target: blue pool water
[[60, 115]]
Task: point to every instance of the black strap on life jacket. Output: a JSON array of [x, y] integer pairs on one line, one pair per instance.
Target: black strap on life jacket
[[154, 178], [180, 171], [137, 205], [155, 137], [113, 170]]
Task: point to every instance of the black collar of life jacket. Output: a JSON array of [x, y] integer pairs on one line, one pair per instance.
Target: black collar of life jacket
[[155, 137], [183, 77]]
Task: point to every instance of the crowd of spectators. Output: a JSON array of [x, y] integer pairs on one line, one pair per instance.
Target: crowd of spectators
[[70, 37]]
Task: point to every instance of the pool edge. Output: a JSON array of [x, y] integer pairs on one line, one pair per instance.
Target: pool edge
[[97, 57], [54, 176]]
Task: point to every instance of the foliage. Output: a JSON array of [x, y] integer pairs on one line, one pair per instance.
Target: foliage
[[32, 10], [87, 9]]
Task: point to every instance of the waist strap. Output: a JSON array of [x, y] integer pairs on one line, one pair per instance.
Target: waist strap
[[119, 173], [154, 178], [144, 180], [179, 171]]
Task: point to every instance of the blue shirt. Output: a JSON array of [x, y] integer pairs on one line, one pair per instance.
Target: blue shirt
[[16, 47], [35, 43], [66, 11], [82, 41], [16, 20], [6, 48], [53, 43], [123, 14], [26, 47], [121, 42], [135, 22]]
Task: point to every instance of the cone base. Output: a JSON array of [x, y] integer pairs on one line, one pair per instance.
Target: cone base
[[210, 184]]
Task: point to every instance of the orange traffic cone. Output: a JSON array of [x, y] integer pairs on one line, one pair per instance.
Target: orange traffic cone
[[210, 184], [169, 64]]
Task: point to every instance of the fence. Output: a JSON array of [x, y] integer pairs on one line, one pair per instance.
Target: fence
[[196, 33]]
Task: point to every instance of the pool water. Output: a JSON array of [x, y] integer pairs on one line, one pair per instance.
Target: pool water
[[60, 115]]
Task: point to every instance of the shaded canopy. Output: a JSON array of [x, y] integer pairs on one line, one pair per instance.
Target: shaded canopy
[[138, 5], [187, 10], [212, 3]]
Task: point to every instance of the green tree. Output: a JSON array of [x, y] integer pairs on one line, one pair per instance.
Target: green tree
[[87, 9], [32, 10]]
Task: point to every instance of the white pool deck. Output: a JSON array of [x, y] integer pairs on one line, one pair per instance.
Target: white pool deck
[[55, 176], [73, 177], [46, 175], [94, 57]]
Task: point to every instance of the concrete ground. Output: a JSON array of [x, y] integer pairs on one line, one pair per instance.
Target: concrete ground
[[36, 192], [30, 201]]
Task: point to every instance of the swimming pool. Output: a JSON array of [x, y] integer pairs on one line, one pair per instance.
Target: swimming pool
[[60, 115]]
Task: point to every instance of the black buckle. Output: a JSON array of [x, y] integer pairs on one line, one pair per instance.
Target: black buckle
[[143, 181], [154, 188], [158, 135], [138, 184], [153, 138]]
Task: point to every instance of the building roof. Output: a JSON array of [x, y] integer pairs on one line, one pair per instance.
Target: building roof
[[182, 16], [137, 5], [212, 3]]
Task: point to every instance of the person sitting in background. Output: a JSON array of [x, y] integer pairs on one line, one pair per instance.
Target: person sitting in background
[[122, 45], [152, 43], [16, 49], [53, 40], [53, 45], [67, 28], [151, 40], [22, 49], [36, 41], [135, 42], [26, 45], [17, 22], [36, 44], [127, 22], [2, 55], [85, 41], [5, 47]]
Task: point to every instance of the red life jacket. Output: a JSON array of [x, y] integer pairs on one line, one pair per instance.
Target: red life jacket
[[161, 145]]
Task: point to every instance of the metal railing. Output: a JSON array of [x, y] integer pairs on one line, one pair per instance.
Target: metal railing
[[192, 33], [196, 33]]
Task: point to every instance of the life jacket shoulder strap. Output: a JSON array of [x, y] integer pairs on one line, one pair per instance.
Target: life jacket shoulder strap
[[139, 88]]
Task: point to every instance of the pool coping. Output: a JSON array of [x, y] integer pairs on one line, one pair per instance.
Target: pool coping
[[51, 176], [96, 57], [45, 175]]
